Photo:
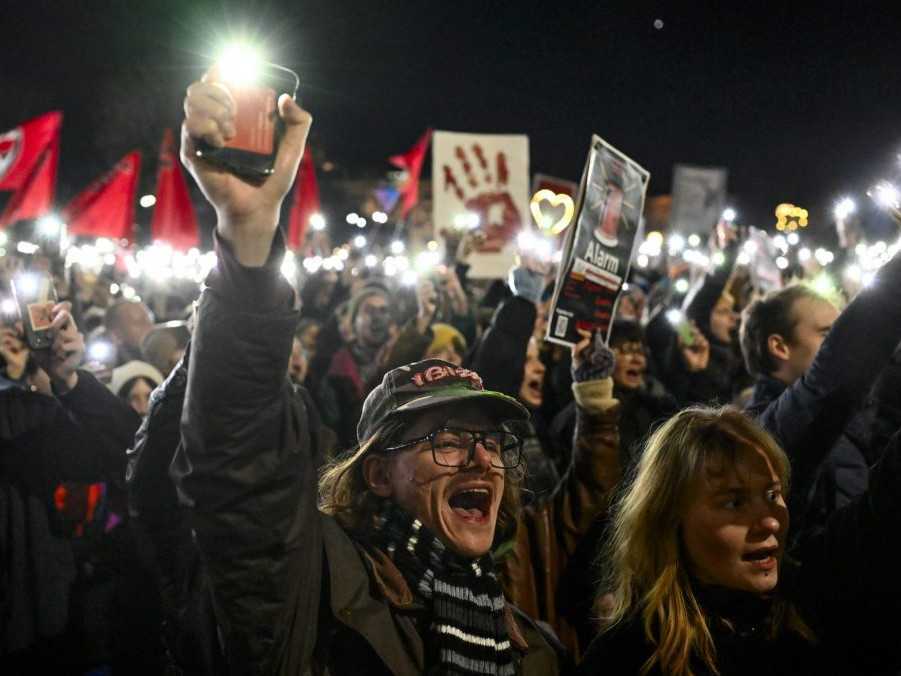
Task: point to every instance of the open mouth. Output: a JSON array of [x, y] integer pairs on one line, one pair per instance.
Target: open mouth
[[472, 504], [763, 558], [533, 387]]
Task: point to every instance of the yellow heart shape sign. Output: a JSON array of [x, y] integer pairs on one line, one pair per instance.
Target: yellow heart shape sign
[[546, 221]]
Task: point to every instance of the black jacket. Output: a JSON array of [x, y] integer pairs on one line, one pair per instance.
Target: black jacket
[[79, 436], [293, 593], [808, 417], [845, 589]]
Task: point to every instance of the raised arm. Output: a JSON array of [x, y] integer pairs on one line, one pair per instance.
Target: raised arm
[[244, 470], [810, 414]]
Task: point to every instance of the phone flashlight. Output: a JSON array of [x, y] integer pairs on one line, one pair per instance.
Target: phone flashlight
[[35, 297], [682, 325], [255, 86]]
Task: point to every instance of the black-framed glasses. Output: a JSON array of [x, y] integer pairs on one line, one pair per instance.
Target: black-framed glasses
[[455, 447]]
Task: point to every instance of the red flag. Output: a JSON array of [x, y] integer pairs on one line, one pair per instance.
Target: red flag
[[306, 201], [22, 148], [106, 208], [173, 217], [411, 161], [35, 197]]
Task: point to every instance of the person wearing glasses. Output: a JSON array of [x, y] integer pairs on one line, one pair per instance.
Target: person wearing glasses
[[383, 565]]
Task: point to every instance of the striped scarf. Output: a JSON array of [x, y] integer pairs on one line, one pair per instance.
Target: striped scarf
[[468, 633]]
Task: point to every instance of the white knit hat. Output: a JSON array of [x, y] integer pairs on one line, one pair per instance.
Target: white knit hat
[[131, 370]]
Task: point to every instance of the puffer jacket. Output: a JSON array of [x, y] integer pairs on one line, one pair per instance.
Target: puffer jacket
[[294, 594]]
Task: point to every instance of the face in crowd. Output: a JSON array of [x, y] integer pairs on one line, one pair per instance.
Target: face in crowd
[[138, 396], [734, 527], [132, 324], [813, 318], [723, 319], [297, 364], [531, 391], [373, 321], [460, 505], [631, 364]]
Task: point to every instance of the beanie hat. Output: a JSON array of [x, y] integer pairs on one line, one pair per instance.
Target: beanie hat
[[131, 370], [366, 292], [445, 336]]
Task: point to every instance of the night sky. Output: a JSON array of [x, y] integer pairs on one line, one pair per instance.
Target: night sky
[[800, 105]]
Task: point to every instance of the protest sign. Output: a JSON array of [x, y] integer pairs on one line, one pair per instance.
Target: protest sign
[[481, 182], [699, 197], [598, 248]]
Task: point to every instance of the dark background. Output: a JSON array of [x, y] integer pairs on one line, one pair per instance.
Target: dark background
[[802, 105]]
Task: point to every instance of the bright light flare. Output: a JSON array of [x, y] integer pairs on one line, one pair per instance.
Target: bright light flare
[[147, 201], [694, 241], [317, 222], [681, 285], [397, 247], [27, 248], [793, 239], [360, 241], [240, 63], [380, 217], [675, 316], [676, 244], [100, 350], [729, 214], [844, 208], [50, 226], [8, 307], [886, 195], [782, 262]]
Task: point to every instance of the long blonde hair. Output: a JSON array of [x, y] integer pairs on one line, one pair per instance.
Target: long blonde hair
[[648, 575]]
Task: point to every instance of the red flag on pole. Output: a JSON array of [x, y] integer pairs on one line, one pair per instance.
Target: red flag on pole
[[411, 162], [106, 207], [173, 216], [23, 147], [306, 201], [35, 197]]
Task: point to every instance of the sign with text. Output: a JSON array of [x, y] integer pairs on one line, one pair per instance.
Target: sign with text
[[598, 248]]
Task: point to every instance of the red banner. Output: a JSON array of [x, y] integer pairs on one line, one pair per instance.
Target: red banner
[[411, 162], [35, 197], [306, 201], [106, 207], [173, 216], [22, 148]]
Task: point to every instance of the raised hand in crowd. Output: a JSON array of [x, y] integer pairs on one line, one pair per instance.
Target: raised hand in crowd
[[66, 353], [426, 303], [248, 212], [696, 351], [14, 352]]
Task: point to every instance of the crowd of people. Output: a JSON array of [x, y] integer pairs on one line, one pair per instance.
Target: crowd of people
[[353, 477]]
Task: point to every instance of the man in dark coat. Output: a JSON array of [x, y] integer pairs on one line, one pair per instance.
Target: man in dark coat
[[814, 368]]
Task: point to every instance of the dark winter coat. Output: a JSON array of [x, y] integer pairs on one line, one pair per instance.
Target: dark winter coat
[[78, 436], [808, 417], [294, 593]]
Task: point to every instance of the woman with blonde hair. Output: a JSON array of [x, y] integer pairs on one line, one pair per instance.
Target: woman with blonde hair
[[698, 581]]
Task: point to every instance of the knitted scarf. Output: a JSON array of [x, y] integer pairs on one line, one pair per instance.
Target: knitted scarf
[[468, 632]]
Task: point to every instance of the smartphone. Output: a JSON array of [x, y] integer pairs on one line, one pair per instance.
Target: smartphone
[[251, 152], [35, 297], [682, 325], [9, 310]]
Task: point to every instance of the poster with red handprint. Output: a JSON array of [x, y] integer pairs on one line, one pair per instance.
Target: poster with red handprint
[[480, 182], [598, 249]]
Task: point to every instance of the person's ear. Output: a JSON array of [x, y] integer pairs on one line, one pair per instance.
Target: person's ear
[[778, 347], [377, 475]]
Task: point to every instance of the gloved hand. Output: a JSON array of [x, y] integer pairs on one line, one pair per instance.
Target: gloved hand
[[526, 283], [592, 359]]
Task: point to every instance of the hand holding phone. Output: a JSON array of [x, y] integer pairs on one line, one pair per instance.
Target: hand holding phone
[[35, 296]]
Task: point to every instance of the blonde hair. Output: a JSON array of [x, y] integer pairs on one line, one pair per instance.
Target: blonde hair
[[345, 495], [648, 574]]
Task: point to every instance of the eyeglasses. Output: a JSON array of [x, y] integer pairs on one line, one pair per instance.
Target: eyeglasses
[[627, 349], [453, 447]]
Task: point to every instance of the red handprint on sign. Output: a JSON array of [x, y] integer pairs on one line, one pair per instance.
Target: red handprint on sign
[[486, 196]]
